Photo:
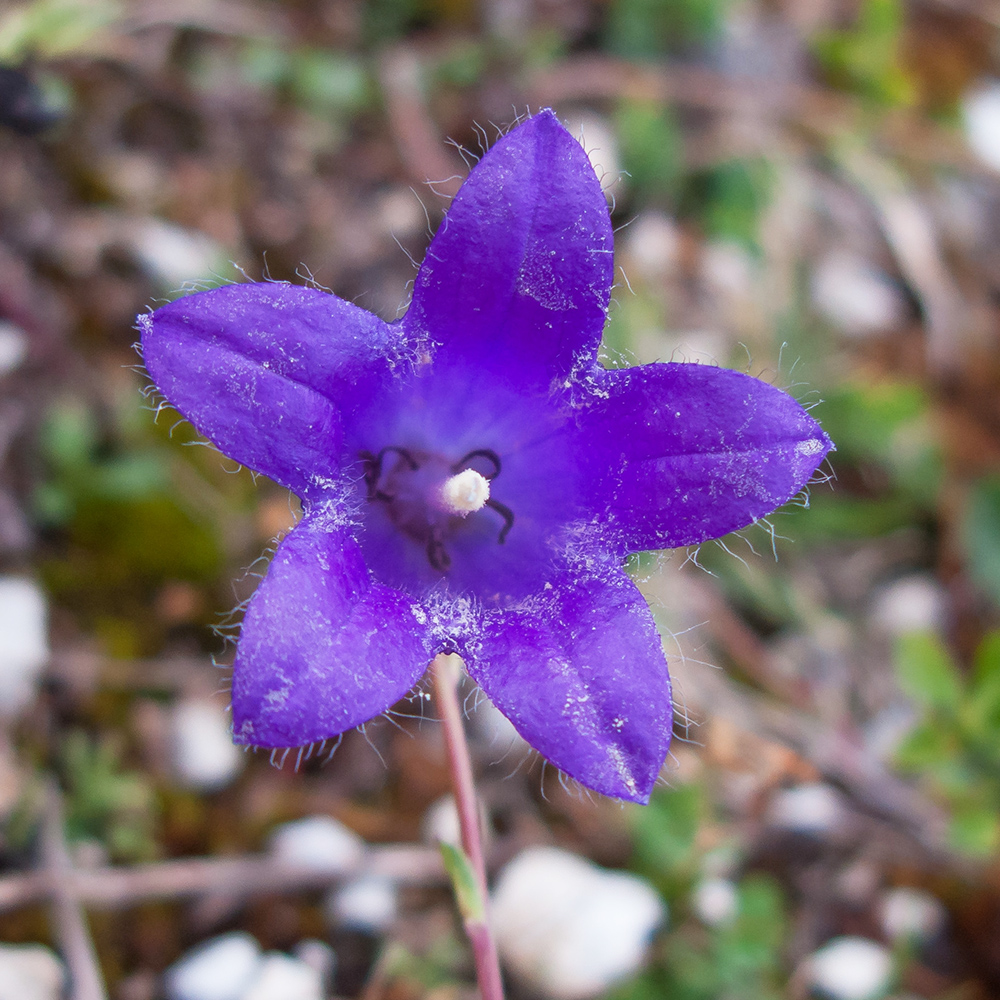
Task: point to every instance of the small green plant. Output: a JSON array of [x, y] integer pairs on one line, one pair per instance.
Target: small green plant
[[729, 200], [640, 29], [955, 746], [866, 58], [105, 802], [981, 535], [738, 957], [53, 28]]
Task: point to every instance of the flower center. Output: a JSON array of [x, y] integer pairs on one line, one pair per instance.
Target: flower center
[[428, 498]]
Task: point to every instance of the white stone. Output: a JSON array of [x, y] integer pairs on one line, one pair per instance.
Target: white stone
[[850, 968], [281, 977], [24, 647], [172, 255], [317, 955], [911, 914], [910, 604], [981, 117], [715, 901], [223, 968], [204, 755], [366, 904], [440, 824], [318, 842], [13, 347], [568, 928], [651, 243], [856, 297], [810, 809], [496, 731], [601, 145], [730, 271], [30, 972]]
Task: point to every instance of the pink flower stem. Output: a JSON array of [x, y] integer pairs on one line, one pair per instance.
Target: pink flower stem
[[445, 670]]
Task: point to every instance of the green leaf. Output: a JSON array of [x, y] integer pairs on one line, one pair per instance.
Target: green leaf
[[53, 28], [924, 746], [665, 833], [648, 28], [985, 698], [652, 148], [980, 535], [975, 829], [464, 883], [927, 673]]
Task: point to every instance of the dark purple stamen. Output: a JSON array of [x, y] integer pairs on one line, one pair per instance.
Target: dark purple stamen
[[488, 454], [506, 513]]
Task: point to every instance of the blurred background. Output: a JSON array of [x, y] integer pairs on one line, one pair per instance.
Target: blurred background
[[807, 190]]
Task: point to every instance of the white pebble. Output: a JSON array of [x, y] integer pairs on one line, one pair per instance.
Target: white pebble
[[204, 755], [221, 969], [24, 647], [568, 928], [809, 809], [318, 842], [856, 297], [981, 117], [317, 955], [911, 914], [172, 255], [730, 272], [281, 977], [497, 732], [13, 347], [601, 144], [715, 901], [652, 244], [440, 824], [910, 604], [366, 904], [850, 968], [30, 972]]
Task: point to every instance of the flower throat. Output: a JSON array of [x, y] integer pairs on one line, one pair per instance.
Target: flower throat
[[428, 498]]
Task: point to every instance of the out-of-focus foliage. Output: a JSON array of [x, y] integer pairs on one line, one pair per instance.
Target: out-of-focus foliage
[[641, 29], [651, 146], [104, 801], [128, 527], [739, 956], [885, 439], [866, 58], [51, 28], [981, 535], [729, 200], [955, 746]]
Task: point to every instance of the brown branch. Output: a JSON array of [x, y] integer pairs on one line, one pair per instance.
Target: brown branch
[[69, 922], [811, 108], [417, 137], [836, 757], [113, 886]]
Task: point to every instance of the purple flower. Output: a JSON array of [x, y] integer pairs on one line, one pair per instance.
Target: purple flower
[[472, 478]]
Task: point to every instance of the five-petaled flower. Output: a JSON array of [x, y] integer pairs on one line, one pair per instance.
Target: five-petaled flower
[[472, 478]]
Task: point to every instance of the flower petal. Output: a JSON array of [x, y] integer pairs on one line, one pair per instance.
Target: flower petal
[[322, 648], [678, 453], [261, 369], [581, 674], [519, 274]]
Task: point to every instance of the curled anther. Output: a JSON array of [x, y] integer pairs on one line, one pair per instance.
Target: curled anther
[[488, 454], [506, 513], [373, 469], [437, 555]]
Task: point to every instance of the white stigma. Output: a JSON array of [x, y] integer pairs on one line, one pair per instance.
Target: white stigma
[[465, 492]]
